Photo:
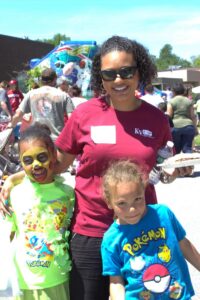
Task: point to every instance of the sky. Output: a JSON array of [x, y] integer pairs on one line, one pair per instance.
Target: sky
[[150, 22]]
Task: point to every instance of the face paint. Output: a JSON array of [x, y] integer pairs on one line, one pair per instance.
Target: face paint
[[37, 163]]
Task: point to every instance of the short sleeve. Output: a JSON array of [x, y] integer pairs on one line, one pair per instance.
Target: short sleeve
[[178, 228], [111, 261], [69, 138]]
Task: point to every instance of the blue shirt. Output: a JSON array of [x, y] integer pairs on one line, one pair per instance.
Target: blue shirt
[[147, 255]]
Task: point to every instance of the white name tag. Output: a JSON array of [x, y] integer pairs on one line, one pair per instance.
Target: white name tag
[[103, 134]]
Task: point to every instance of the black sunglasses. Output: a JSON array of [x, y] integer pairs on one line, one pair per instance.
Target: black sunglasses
[[124, 73]]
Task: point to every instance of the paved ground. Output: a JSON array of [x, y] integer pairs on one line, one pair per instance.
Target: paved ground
[[182, 196]]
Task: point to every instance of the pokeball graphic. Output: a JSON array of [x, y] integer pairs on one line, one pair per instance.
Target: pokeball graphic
[[156, 278]]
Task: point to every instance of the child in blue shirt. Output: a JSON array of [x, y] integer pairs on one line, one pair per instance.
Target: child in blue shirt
[[145, 250]]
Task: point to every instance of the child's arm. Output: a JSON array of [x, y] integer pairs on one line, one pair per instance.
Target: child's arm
[[190, 253], [117, 291]]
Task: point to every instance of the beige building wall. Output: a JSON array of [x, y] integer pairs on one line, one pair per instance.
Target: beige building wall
[[187, 75]]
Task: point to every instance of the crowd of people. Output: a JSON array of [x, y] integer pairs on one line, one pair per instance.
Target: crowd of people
[[116, 136]]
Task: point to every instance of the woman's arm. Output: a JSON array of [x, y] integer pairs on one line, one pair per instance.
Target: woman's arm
[[117, 290], [64, 160], [9, 183], [190, 253]]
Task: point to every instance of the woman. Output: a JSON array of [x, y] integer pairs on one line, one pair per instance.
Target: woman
[[180, 109], [114, 125]]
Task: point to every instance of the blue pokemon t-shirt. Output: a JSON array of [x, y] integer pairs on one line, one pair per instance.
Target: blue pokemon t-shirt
[[147, 255]]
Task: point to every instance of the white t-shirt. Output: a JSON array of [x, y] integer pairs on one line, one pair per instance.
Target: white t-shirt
[[78, 100], [153, 99]]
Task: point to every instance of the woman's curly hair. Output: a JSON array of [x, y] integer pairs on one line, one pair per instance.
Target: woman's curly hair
[[146, 68]]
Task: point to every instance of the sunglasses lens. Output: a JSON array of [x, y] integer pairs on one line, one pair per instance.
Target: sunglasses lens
[[108, 75], [127, 72], [124, 72]]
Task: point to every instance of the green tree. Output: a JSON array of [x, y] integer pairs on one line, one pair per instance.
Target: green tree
[[196, 61], [33, 76], [168, 60], [57, 38]]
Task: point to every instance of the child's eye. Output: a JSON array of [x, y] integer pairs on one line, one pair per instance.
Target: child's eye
[[121, 203], [27, 160], [42, 157], [138, 199]]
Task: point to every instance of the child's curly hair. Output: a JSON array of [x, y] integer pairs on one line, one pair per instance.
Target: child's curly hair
[[146, 68], [119, 172]]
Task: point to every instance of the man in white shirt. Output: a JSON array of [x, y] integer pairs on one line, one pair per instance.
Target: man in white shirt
[[151, 97]]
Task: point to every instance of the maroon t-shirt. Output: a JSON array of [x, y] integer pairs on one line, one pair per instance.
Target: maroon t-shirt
[[15, 98], [100, 134]]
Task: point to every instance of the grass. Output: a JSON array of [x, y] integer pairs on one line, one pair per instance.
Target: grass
[[197, 140]]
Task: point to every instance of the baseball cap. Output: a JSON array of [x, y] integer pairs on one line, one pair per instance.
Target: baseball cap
[[13, 81], [48, 75]]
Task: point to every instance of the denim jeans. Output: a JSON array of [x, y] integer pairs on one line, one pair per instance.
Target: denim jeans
[[183, 138]]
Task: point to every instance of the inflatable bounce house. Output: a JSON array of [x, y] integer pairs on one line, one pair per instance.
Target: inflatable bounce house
[[72, 59]]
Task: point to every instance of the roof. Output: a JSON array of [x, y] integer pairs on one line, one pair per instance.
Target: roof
[[15, 54]]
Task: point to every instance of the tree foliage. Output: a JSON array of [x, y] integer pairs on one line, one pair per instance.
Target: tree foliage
[[56, 39], [168, 60], [196, 61], [33, 77]]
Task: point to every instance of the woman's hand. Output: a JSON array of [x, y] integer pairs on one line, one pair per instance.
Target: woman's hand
[[184, 171], [169, 175], [5, 209], [9, 183]]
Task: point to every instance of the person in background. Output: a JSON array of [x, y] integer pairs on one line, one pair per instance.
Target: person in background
[[5, 108], [188, 92], [197, 109], [145, 249], [15, 97], [169, 93], [41, 225], [75, 93], [63, 85], [163, 107], [14, 94], [112, 126], [151, 97], [181, 110], [47, 104]]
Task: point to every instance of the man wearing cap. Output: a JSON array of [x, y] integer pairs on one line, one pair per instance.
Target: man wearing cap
[[15, 95], [46, 104], [63, 85]]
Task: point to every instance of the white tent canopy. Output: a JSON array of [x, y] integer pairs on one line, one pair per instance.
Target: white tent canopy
[[196, 89]]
